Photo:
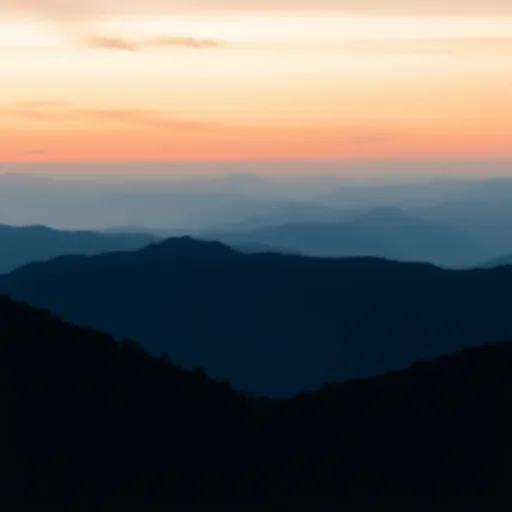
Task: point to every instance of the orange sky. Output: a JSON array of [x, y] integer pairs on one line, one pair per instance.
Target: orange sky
[[245, 84]]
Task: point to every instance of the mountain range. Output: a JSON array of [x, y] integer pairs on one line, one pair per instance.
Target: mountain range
[[481, 208], [381, 232], [21, 245], [452, 223], [25, 244], [244, 317], [462, 239], [92, 424]]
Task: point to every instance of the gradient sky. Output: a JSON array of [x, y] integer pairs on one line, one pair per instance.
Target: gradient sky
[[144, 80]]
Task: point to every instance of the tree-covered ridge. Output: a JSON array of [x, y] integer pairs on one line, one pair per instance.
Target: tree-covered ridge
[[87, 422]]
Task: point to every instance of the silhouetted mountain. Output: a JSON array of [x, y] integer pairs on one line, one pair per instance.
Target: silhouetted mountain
[[166, 233], [137, 229], [382, 232], [245, 317], [21, 245], [90, 424], [261, 248]]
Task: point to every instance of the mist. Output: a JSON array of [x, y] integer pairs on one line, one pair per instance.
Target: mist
[[191, 196], [403, 211]]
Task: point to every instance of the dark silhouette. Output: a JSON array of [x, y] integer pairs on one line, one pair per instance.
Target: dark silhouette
[[27, 244], [246, 317], [90, 424], [21, 245], [256, 248]]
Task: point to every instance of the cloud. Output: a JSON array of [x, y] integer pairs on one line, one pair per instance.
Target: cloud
[[111, 43], [26, 113], [58, 112], [118, 43], [140, 118], [33, 152], [189, 42]]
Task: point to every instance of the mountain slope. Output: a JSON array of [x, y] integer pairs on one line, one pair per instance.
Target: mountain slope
[[382, 232], [21, 245], [244, 317], [88, 423]]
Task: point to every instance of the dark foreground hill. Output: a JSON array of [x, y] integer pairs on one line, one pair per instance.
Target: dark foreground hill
[[246, 317], [90, 424], [22, 245]]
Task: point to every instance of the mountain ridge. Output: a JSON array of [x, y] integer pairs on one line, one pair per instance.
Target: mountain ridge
[[387, 232], [24, 244], [243, 316], [91, 420]]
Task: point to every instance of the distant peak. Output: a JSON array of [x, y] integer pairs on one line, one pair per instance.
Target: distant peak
[[186, 246]]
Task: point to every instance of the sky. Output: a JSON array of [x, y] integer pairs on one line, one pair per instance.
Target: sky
[[255, 80]]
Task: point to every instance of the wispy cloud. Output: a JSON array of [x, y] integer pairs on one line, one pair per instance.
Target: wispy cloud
[[49, 112], [141, 118], [42, 104], [189, 42], [118, 43], [111, 43], [33, 152]]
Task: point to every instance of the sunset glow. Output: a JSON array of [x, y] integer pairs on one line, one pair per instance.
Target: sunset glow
[[255, 85]]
